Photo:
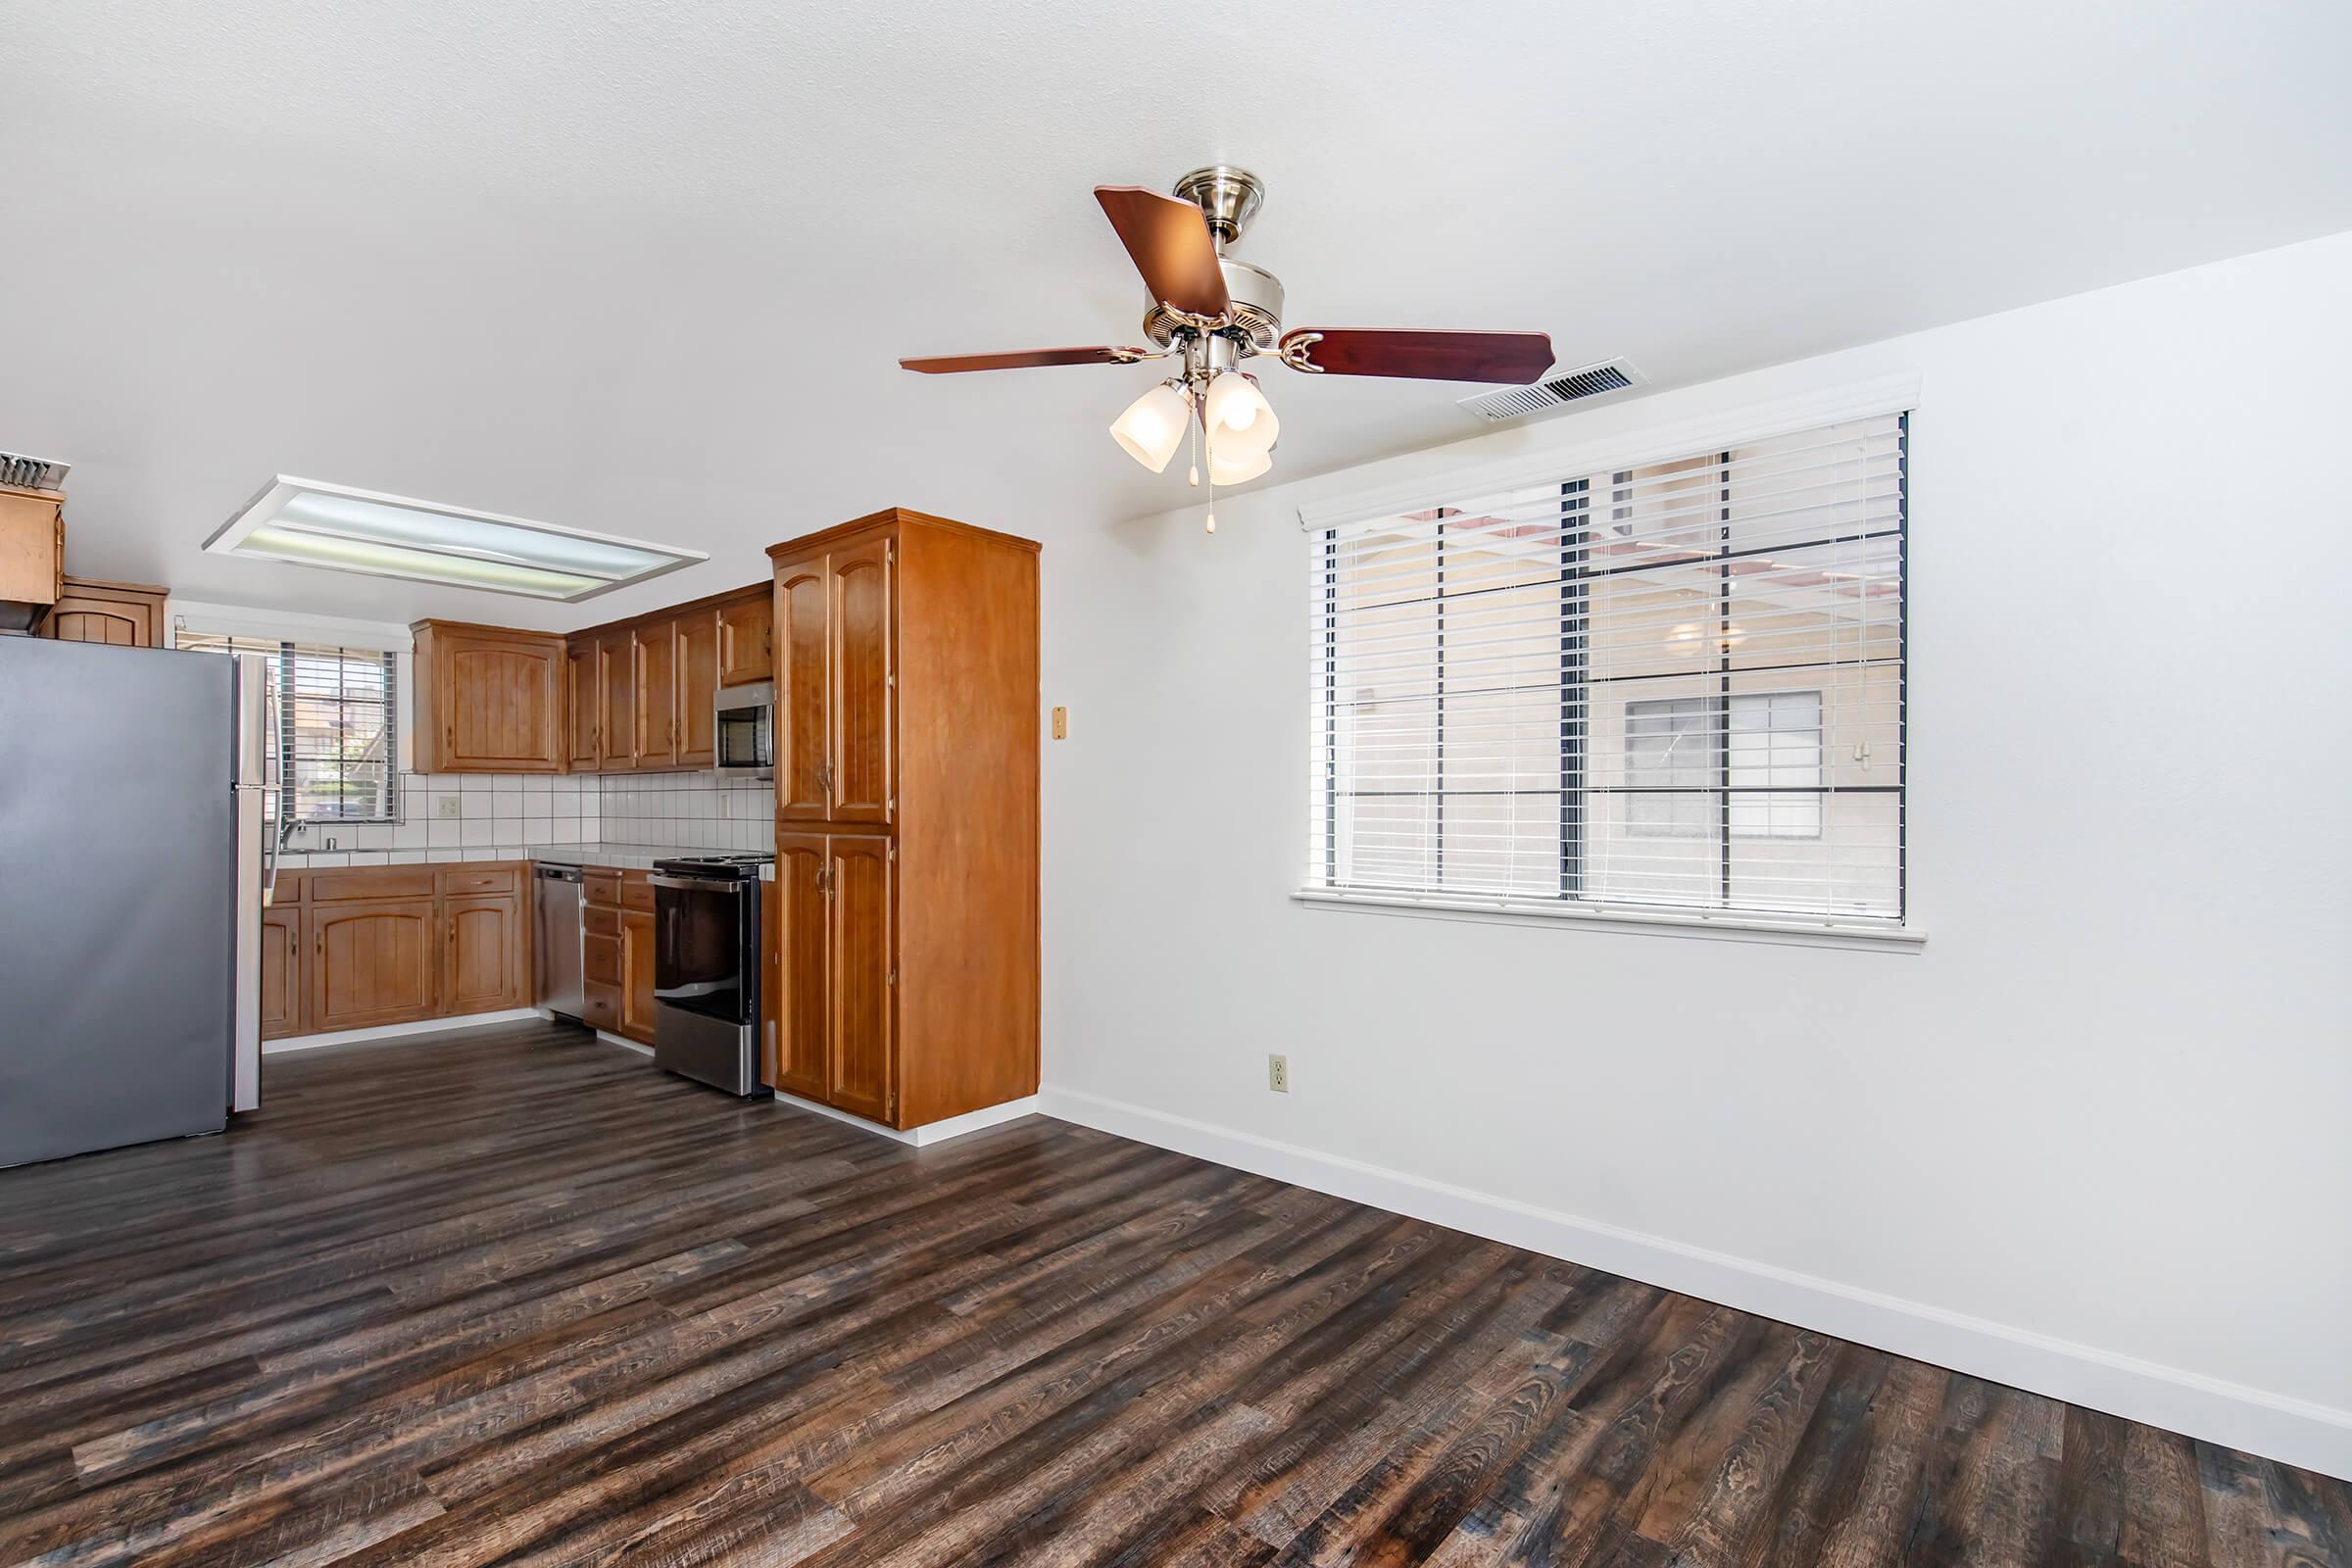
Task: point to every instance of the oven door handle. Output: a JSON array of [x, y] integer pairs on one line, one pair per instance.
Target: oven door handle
[[689, 884]]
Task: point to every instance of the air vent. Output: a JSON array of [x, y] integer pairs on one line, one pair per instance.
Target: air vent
[[1585, 382], [31, 473]]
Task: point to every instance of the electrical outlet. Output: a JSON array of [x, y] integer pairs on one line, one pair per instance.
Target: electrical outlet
[[1277, 1073], [449, 806]]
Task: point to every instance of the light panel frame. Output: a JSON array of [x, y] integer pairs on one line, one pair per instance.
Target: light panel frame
[[261, 531]]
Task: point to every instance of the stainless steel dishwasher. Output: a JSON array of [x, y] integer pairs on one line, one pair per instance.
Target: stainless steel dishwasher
[[556, 913]]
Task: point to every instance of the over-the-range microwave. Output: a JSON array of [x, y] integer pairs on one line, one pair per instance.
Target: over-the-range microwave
[[746, 731]]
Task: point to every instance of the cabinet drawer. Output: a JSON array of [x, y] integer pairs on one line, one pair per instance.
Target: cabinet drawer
[[600, 1007], [601, 887], [370, 882], [480, 879], [600, 922], [600, 962], [637, 891], [289, 890]]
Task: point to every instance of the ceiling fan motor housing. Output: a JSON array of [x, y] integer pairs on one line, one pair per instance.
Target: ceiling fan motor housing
[[1257, 307]]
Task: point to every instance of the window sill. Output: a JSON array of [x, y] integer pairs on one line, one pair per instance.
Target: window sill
[[1651, 922]]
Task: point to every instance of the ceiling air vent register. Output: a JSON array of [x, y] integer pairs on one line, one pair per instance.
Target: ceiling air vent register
[[1574, 386]]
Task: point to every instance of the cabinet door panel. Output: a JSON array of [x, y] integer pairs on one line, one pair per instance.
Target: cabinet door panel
[[616, 675], [81, 625], [583, 707], [804, 696], [861, 669], [656, 647], [798, 1064], [744, 630], [482, 967], [637, 975], [859, 976], [281, 971], [371, 963], [499, 704], [698, 688]]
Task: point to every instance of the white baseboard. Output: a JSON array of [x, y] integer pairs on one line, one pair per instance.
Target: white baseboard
[[2298, 1432], [923, 1137], [396, 1031]]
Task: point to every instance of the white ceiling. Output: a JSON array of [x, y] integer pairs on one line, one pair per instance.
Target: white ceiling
[[642, 265]]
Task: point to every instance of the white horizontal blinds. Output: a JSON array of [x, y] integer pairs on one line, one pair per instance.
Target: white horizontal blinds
[[1678, 684], [337, 718]]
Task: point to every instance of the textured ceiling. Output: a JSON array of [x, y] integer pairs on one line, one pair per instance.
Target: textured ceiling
[[644, 266]]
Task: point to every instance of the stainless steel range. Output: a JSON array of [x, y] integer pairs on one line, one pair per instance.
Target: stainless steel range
[[707, 968]]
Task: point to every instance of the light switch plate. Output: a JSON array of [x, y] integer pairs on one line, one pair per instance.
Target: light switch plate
[[1061, 723]]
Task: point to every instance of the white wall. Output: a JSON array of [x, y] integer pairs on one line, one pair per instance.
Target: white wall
[[2096, 1137]]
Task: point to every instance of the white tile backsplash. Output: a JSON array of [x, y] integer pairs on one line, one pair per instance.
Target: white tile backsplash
[[499, 813], [693, 810]]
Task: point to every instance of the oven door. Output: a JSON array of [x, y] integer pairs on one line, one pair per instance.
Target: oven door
[[700, 963], [743, 730]]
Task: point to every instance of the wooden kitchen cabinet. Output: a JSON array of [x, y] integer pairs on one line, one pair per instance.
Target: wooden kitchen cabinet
[[617, 683], [744, 625], [483, 967], [371, 962], [281, 970], [127, 615], [801, 939], [358, 947], [32, 555], [696, 645], [654, 670], [583, 707], [637, 975], [905, 655], [488, 699]]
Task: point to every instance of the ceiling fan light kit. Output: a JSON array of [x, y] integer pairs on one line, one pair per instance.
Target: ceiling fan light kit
[[1209, 311]]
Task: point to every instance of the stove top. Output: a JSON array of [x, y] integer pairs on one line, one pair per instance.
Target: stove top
[[740, 865]]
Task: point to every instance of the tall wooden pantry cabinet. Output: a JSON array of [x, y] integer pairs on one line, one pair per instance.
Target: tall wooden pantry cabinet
[[906, 819]]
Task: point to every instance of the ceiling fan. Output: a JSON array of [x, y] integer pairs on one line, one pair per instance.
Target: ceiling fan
[[1208, 313]]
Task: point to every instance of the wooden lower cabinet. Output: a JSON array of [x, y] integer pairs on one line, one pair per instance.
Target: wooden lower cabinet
[[281, 972], [637, 975], [371, 962], [482, 948], [836, 1024], [361, 947], [617, 952]]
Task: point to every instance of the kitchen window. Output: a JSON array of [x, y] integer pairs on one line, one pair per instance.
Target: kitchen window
[[337, 724], [1671, 686]]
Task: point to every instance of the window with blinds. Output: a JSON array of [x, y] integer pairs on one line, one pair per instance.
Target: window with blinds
[[1678, 686], [336, 720]]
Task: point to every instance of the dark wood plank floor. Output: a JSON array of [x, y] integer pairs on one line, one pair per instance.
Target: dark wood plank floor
[[516, 1296]]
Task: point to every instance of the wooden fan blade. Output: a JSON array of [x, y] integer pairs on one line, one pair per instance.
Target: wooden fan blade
[[1021, 360], [1514, 356], [1171, 244]]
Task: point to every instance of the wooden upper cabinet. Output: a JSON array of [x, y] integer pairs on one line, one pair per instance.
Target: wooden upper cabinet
[[32, 554], [483, 953], [697, 647], [745, 628], [370, 961], [657, 655], [127, 615], [796, 1058], [583, 707], [803, 689], [861, 975], [489, 700], [860, 659], [617, 682]]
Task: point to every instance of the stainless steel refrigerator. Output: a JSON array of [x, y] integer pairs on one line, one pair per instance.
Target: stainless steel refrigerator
[[132, 880]]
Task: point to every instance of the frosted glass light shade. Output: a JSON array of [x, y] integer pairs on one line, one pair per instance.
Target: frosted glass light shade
[[1233, 402], [310, 523], [1233, 462], [1153, 426]]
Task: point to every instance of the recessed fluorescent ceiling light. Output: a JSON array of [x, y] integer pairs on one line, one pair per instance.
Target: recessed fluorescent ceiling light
[[312, 524]]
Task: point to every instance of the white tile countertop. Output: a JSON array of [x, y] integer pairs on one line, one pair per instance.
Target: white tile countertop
[[628, 857]]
